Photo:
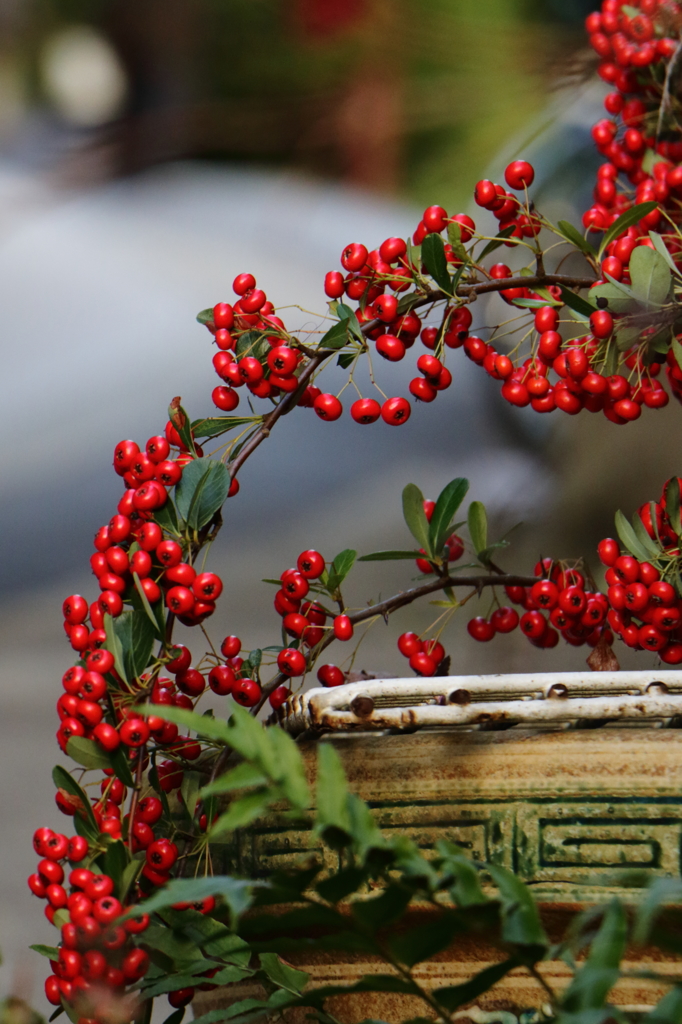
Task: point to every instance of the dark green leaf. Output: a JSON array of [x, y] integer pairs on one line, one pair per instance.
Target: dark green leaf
[[289, 769], [661, 892], [662, 248], [477, 521], [435, 261], [177, 415], [214, 426], [573, 235], [202, 491], [339, 569], [252, 343], [449, 500], [388, 556], [331, 797], [422, 943], [379, 911], [87, 753], [129, 876], [146, 607], [114, 646], [455, 240], [282, 974], [340, 885], [336, 336], [113, 862], [167, 517], [211, 728], [136, 635], [626, 220], [121, 765], [63, 780], [521, 924], [496, 242], [629, 538], [643, 537], [650, 276], [466, 890], [576, 302], [672, 504], [454, 996], [592, 983], [668, 1010], [415, 517], [205, 316], [346, 359]]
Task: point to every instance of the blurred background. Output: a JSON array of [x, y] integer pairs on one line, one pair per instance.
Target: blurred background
[[149, 152]]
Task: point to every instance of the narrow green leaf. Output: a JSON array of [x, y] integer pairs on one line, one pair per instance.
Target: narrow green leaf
[[136, 635], [205, 316], [64, 780], [211, 728], [49, 951], [189, 789], [380, 911], [521, 923], [184, 431], [114, 646], [113, 863], [455, 240], [662, 248], [629, 538], [209, 496], [340, 885], [643, 537], [346, 359], [331, 797], [283, 975], [242, 812], [496, 242], [576, 302], [668, 1010], [214, 426], [449, 500], [415, 517], [477, 521], [454, 996], [289, 768], [121, 765], [423, 943], [662, 892], [672, 504], [592, 983], [466, 889], [336, 336], [435, 261], [167, 517], [87, 753], [388, 556], [235, 891], [340, 567], [244, 776], [144, 600], [630, 217], [129, 877], [571, 234]]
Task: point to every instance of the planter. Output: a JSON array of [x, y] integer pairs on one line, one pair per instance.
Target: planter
[[573, 781]]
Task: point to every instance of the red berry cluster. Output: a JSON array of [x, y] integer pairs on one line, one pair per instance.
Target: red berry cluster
[[645, 608], [635, 43], [97, 956], [425, 656], [558, 604]]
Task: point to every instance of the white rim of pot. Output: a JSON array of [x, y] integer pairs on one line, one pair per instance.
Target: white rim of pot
[[488, 702]]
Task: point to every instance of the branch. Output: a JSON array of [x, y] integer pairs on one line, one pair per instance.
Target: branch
[[391, 604]]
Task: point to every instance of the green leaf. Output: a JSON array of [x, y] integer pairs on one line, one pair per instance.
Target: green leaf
[[650, 276], [203, 725], [422, 943], [521, 924], [136, 635], [662, 248], [346, 359], [672, 504], [668, 1010], [576, 302], [592, 983], [184, 431], [214, 426], [466, 889], [643, 537], [661, 892], [331, 797], [189, 789], [114, 646], [388, 556], [477, 521], [454, 996], [64, 780], [496, 242], [629, 538], [202, 491], [87, 753], [340, 885], [435, 261], [242, 812], [455, 240], [415, 517], [626, 220], [572, 234], [121, 765], [449, 500], [283, 975], [129, 876], [49, 951], [144, 601], [339, 569], [244, 776], [379, 911], [252, 343], [336, 336], [167, 517], [114, 862], [235, 891], [205, 316], [290, 771]]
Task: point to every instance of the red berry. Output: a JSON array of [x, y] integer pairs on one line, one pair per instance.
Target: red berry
[[343, 627], [246, 692], [279, 696], [330, 675], [365, 410], [423, 664], [518, 174], [328, 407], [480, 629], [291, 662], [395, 411]]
